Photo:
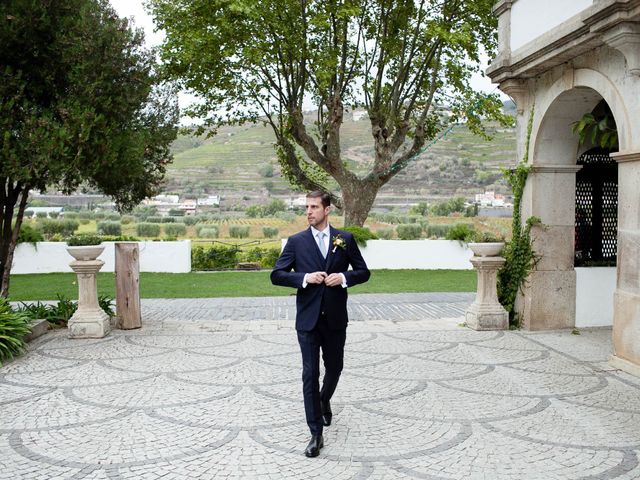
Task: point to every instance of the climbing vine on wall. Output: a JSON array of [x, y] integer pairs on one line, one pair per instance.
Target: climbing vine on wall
[[519, 254]]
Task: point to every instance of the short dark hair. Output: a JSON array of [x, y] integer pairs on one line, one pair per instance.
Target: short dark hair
[[323, 196]]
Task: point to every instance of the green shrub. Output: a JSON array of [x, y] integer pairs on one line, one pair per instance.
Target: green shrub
[[85, 215], [176, 212], [147, 229], [175, 229], [62, 227], [438, 231], [154, 219], [13, 328], [84, 221], [462, 232], [79, 240], [28, 234], [238, 231], [361, 234], [209, 231], [169, 220], [190, 220], [267, 257], [254, 211], [71, 215], [385, 233], [54, 214], [218, 257], [109, 228], [486, 237], [28, 213], [99, 215], [269, 232], [61, 312], [409, 231], [127, 219], [41, 214], [112, 216]]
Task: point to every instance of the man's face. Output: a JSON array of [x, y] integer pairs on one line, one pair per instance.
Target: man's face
[[316, 213]]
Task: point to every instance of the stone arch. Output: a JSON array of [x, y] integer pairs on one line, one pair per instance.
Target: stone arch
[[575, 93], [549, 301]]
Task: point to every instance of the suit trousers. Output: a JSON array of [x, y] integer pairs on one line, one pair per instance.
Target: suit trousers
[[331, 342]]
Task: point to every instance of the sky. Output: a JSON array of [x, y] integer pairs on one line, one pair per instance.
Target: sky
[[135, 9]]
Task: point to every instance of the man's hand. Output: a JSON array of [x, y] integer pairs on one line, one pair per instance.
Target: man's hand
[[316, 277], [333, 280]]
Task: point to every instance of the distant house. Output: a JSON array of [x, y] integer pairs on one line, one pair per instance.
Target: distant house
[[210, 201], [298, 202], [490, 199]]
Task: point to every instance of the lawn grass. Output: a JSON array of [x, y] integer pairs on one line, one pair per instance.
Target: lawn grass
[[234, 284]]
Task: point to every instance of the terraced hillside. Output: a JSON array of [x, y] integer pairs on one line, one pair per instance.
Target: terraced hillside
[[239, 163]]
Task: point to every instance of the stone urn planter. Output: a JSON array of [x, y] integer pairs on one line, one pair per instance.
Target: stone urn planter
[[89, 320], [85, 252], [486, 249], [486, 313]]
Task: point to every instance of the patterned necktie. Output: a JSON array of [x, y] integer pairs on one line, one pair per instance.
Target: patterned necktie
[[321, 244]]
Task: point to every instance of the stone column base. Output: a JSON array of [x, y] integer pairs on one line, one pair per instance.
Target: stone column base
[[480, 317], [89, 324], [624, 365]]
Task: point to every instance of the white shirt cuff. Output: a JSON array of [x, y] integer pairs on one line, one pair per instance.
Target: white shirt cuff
[[304, 281], [344, 280]]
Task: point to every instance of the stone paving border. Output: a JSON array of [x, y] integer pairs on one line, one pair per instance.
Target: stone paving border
[[196, 393]]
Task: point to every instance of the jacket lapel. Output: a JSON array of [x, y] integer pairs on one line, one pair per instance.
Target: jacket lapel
[[330, 254]]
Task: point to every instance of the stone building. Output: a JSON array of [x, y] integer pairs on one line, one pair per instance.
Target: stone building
[[562, 59]]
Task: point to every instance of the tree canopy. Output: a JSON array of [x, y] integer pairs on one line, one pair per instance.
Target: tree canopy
[[81, 103], [270, 60]]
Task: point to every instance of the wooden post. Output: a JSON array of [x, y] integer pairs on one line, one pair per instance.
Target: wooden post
[[128, 285]]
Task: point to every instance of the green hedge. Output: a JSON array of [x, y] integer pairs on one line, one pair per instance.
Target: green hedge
[[361, 235], [385, 233], [409, 231], [63, 227], [269, 232], [238, 231], [147, 229], [109, 228], [220, 257], [208, 231], [175, 229], [438, 231]]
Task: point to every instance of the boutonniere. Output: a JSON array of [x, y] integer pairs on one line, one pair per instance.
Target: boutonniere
[[338, 242]]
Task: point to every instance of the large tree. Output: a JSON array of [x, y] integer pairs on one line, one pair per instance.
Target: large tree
[[81, 103], [270, 59]]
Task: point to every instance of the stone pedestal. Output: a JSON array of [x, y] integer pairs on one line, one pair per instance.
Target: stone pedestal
[[486, 313], [89, 321]]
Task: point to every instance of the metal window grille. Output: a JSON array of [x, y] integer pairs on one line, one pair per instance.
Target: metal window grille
[[596, 227]]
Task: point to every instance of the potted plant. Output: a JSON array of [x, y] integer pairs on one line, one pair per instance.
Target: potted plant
[[486, 244], [85, 247]]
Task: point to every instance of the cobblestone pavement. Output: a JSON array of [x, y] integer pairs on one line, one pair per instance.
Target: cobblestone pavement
[[196, 393]]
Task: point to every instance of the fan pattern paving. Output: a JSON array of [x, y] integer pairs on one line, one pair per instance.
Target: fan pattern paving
[[421, 397]]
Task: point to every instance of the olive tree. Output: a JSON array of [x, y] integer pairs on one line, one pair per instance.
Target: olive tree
[[401, 60]]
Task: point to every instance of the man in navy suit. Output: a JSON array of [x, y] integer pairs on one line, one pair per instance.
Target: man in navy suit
[[316, 262]]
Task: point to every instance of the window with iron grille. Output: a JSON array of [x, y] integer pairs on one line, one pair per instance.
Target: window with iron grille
[[596, 227]]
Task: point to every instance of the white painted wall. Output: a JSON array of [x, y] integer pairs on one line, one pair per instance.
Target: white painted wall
[[415, 254], [594, 296], [49, 257], [532, 18]]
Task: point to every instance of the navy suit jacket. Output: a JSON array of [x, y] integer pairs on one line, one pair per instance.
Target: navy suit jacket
[[301, 255]]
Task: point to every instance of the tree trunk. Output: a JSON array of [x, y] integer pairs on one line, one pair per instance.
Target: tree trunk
[[8, 231], [357, 198]]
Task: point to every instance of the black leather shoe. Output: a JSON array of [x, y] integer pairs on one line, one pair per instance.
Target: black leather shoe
[[327, 415], [315, 444]]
